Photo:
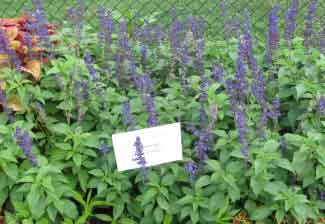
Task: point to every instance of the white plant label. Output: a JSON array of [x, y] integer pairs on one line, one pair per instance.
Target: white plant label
[[162, 144]]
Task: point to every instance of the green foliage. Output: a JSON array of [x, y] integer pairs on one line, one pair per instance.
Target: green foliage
[[74, 183]]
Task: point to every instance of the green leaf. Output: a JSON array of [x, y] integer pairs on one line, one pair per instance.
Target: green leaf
[[126, 221], [7, 155], [162, 203], [214, 165], [69, 209], [321, 155], [293, 139], [285, 164], [118, 209], [97, 172], [271, 146], [60, 128], [320, 171], [103, 217], [261, 213], [83, 179], [188, 199], [279, 215], [168, 219], [3, 196], [77, 159], [158, 215], [11, 170], [36, 202], [52, 212], [168, 180], [300, 89], [148, 196], [202, 182]]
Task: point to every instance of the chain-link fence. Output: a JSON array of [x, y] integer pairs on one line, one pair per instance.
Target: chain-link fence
[[212, 11]]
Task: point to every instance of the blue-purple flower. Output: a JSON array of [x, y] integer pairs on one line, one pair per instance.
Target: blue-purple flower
[[41, 112], [123, 39], [41, 23], [242, 130], [90, 66], [237, 92], [192, 169], [322, 39], [309, 24], [3, 103], [148, 100], [6, 50], [321, 105], [176, 35], [322, 196], [275, 113], [103, 149], [105, 35], [139, 155], [128, 119], [272, 34], [159, 34], [204, 134], [290, 21], [79, 99], [25, 142], [258, 89], [241, 81], [85, 89], [246, 47], [217, 73], [76, 15]]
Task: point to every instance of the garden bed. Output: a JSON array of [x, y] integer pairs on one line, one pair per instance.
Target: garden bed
[[252, 115]]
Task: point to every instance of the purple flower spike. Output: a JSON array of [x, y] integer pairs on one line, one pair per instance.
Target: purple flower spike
[[322, 196], [128, 119], [322, 39], [105, 35], [40, 110], [246, 47], [85, 89], [41, 22], [242, 129], [139, 155], [25, 142], [176, 35], [3, 103], [290, 21], [273, 33], [275, 113], [203, 143], [217, 73], [123, 38], [148, 99], [242, 83], [103, 149], [6, 50], [147, 33], [90, 66], [322, 105], [309, 24], [192, 169], [151, 110]]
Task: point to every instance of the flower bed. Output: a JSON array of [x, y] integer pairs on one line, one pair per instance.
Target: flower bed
[[252, 117]]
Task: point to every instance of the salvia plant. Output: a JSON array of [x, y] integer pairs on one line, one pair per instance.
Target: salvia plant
[[252, 114]]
